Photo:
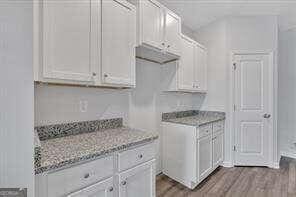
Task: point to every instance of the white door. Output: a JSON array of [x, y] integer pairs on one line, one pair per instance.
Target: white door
[[186, 65], [172, 33], [138, 181], [67, 40], [102, 189], [253, 83], [152, 23], [200, 68], [118, 42], [204, 151], [217, 148]]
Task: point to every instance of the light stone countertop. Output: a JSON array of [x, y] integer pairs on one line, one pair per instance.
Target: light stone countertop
[[197, 119], [59, 152]]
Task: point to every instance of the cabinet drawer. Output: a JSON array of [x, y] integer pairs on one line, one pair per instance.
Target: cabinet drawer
[[74, 178], [204, 130], [133, 157], [218, 126], [103, 188]]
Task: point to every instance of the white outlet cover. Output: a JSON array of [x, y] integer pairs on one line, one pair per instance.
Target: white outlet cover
[[83, 106]]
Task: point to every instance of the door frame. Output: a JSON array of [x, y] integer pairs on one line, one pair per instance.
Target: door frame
[[273, 160]]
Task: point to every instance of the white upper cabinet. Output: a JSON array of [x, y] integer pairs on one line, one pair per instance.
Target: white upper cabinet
[[172, 33], [189, 73], [151, 24], [186, 65], [67, 40], [118, 43], [200, 68], [85, 42], [158, 32]]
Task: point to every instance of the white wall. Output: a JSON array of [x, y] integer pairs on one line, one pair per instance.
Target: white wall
[[287, 92], [222, 37], [16, 95], [58, 104]]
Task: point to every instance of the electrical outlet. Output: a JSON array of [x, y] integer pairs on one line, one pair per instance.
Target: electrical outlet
[[83, 104]]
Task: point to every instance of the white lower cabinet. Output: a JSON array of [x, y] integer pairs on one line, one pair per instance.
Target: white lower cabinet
[[204, 155], [191, 153], [103, 177], [101, 189], [138, 181], [218, 149]]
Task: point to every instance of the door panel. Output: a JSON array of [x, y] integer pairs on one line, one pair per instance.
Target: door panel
[[200, 68], [173, 33], [186, 65], [118, 42], [252, 101], [251, 85], [67, 40], [251, 137], [138, 181], [152, 23], [218, 149], [205, 157]]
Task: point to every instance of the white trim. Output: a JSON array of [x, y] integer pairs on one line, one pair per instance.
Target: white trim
[[288, 154], [273, 161], [227, 164], [231, 114], [276, 165]]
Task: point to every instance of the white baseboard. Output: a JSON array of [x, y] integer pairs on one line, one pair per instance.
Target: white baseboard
[[288, 154], [276, 165], [227, 164]]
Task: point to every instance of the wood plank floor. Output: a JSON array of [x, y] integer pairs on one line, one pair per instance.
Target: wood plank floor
[[237, 182]]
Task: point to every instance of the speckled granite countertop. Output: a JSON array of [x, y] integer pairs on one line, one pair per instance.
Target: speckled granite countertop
[[193, 117], [67, 150]]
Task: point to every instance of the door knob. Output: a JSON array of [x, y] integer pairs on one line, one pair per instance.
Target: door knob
[[266, 116]]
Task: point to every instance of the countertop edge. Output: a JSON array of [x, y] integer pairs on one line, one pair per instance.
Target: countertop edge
[[195, 125], [90, 157]]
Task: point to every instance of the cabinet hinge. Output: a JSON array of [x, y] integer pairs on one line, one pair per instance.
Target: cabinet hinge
[[234, 148], [234, 66], [234, 107]]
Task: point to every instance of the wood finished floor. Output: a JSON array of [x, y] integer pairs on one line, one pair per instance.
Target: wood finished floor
[[237, 182]]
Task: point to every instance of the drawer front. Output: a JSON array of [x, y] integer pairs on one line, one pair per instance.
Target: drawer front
[[104, 188], [74, 178], [218, 126], [133, 157], [204, 130]]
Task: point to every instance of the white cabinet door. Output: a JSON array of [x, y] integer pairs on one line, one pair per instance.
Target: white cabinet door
[[217, 149], [67, 40], [186, 65], [152, 25], [200, 68], [118, 42], [138, 181], [102, 189], [204, 151], [172, 33]]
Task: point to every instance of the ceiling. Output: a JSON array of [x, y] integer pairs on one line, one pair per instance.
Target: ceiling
[[198, 13]]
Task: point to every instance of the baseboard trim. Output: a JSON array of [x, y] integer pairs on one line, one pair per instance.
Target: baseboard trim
[[227, 164], [288, 154]]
